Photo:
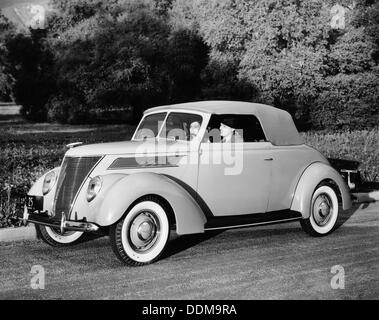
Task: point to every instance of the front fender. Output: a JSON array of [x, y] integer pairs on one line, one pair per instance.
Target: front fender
[[36, 190], [114, 202], [311, 177]]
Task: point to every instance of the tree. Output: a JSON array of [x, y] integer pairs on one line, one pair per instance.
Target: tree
[[285, 57], [136, 54], [183, 14], [187, 57], [218, 24], [113, 56], [121, 54], [163, 6], [349, 95], [286, 53], [70, 13], [7, 29], [29, 62]]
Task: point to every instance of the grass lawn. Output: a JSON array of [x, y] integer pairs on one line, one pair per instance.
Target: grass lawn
[[30, 149]]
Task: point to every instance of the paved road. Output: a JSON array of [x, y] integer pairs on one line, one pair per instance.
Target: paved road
[[271, 262], [9, 109]]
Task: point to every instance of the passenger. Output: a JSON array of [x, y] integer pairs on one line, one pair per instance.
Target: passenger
[[229, 134]]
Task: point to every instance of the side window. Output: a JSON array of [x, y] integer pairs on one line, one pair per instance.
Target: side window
[[181, 126], [234, 128]]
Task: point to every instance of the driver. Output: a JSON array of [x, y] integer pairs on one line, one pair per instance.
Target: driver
[[194, 129]]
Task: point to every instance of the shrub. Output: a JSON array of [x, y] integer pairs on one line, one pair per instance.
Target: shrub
[[359, 145], [57, 109], [347, 102]]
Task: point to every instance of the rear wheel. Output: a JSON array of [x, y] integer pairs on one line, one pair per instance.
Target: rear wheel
[[141, 236], [55, 238], [324, 212]]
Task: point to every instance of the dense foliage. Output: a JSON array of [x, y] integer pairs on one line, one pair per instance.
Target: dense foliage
[[6, 31], [288, 51], [30, 64], [97, 56]]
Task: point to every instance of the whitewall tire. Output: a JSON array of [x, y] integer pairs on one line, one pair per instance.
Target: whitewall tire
[[323, 212], [54, 238], [141, 236]]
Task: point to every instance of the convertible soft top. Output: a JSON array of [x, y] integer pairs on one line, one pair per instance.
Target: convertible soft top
[[277, 124]]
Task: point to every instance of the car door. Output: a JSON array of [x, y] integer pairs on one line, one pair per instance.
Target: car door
[[288, 164], [235, 178]]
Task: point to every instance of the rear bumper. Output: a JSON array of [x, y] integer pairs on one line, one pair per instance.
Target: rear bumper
[[348, 170], [63, 224]]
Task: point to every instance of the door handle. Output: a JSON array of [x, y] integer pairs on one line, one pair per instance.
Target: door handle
[[268, 159]]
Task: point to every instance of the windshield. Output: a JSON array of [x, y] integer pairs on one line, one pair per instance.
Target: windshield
[[150, 126], [181, 126]]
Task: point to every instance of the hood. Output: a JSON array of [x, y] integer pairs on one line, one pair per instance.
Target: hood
[[128, 147]]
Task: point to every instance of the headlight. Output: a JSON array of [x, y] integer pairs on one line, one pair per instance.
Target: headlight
[[94, 187], [48, 182]]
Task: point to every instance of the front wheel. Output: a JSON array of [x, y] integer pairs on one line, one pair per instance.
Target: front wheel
[[324, 212], [55, 238], [141, 236]]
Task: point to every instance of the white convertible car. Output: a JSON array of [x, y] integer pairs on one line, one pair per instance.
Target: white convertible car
[[189, 168]]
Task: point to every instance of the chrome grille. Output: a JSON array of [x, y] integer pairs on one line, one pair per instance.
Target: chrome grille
[[73, 172]]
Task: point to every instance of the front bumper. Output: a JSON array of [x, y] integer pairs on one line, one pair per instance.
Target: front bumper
[[63, 224]]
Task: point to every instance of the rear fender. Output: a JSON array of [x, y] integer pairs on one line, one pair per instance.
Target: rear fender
[[313, 175]]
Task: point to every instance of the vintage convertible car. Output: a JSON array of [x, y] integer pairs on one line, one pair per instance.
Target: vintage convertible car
[[189, 168]]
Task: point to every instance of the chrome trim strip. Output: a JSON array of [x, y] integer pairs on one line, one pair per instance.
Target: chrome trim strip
[[150, 162], [145, 167], [252, 224]]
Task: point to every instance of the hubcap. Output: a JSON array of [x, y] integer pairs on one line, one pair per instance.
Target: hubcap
[[144, 231], [322, 209]]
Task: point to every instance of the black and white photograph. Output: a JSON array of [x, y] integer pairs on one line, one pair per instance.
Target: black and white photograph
[[189, 155]]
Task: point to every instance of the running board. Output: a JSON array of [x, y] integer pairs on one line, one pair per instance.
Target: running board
[[249, 220]]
